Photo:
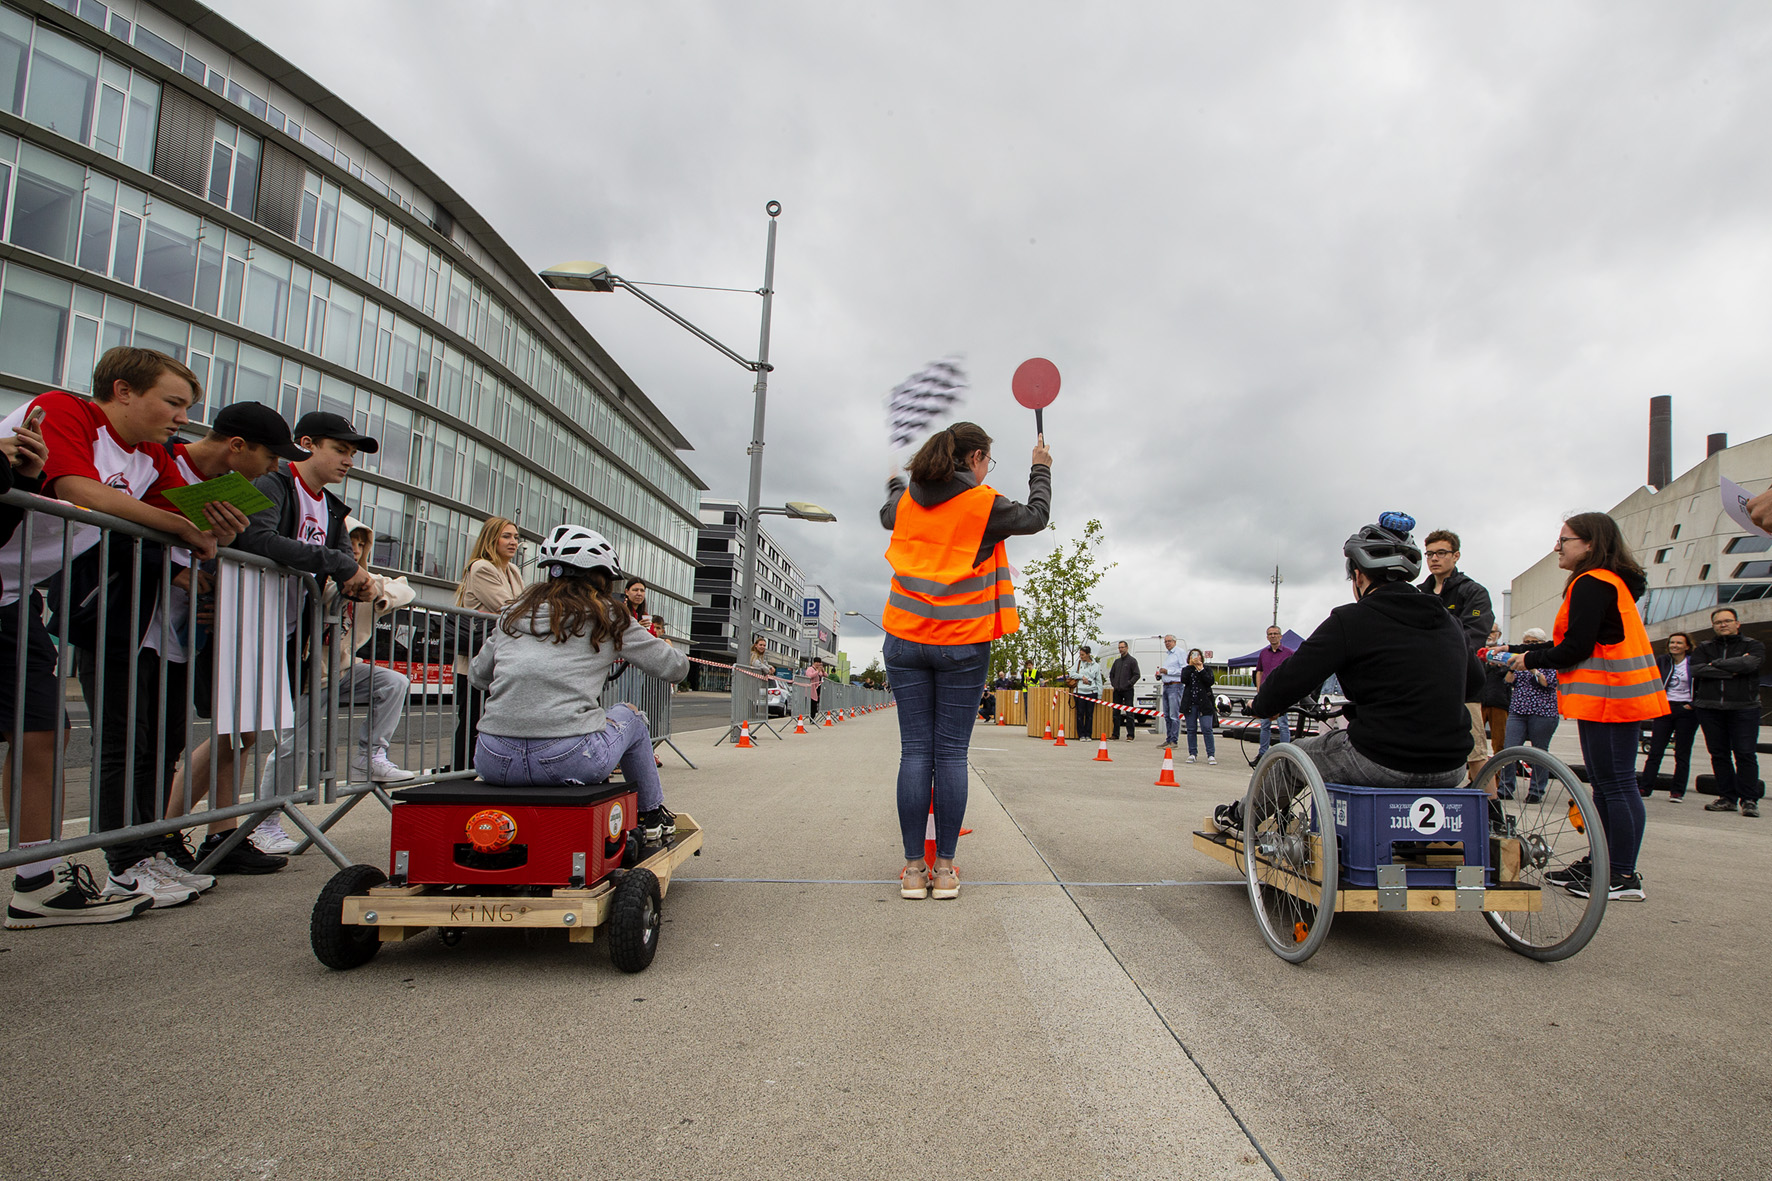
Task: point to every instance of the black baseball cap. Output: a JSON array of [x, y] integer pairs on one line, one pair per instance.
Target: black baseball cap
[[257, 423], [323, 424]]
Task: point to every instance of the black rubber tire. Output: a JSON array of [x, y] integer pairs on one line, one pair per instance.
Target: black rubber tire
[[337, 946], [634, 919]]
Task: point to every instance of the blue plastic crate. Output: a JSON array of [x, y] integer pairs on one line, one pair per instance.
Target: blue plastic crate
[[1370, 820]]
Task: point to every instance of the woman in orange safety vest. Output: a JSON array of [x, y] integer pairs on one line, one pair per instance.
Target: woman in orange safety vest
[[1608, 682], [950, 597]]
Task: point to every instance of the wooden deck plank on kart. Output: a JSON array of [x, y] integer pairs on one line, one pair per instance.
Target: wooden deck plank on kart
[[1229, 851]]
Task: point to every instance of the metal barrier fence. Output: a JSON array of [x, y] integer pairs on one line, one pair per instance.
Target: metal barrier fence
[[156, 644], [833, 696]]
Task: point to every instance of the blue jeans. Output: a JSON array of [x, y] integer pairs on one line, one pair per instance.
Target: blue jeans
[[937, 687], [1280, 723], [1527, 730], [1172, 711], [1204, 717], [582, 758], [1610, 751]]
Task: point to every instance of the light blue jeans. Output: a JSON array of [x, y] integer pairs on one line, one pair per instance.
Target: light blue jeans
[[1172, 711], [1267, 727], [582, 758]]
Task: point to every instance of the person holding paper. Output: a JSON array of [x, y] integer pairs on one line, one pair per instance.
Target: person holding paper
[[247, 440], [1759, 510]]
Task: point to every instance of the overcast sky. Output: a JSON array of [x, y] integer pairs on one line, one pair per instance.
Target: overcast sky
[[1298, 263]]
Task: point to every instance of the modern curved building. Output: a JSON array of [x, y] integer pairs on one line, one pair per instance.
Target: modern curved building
[[167, 181]]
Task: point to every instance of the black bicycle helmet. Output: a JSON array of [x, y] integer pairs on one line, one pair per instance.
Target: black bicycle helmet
[[1385, 551]]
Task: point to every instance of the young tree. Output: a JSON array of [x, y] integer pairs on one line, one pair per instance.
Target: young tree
[[1056, 601]]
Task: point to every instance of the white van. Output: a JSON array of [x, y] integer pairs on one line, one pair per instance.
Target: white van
[[1148, 651]]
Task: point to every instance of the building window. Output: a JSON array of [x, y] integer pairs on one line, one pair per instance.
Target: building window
[[64, 79], [1661, 555], [1704, 572], [1675, 535], [1748, 545], [1753, 570]]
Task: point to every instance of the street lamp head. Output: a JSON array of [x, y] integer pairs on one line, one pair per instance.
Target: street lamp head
[[579, 276], [805, 510]]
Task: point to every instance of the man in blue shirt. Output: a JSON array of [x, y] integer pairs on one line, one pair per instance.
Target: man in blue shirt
[[1169, 670]]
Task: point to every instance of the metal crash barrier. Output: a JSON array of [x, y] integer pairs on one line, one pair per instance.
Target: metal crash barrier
[[181, 670]]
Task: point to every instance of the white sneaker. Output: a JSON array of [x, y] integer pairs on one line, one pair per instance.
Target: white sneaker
[[1212, 760], [146, 877], [381, 770], [184, 877], [270, 837], [1190, 758], [66, 895]]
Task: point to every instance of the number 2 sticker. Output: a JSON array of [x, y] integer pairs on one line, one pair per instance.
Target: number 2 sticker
[[1427, 815]]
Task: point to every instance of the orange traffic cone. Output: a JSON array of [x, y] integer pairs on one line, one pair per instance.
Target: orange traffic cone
[[1102, 756], [929, 834], [744, 736], [1002, 717], [1061, 741], [800, 724], [1048, 735], [827, 720], [1167, 777]]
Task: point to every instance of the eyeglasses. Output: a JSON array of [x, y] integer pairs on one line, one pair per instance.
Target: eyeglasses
[[990, 465], [1439, 553], [1561, 540]]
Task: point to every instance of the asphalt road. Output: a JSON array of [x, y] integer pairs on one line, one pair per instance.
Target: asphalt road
[[1097, 1004]]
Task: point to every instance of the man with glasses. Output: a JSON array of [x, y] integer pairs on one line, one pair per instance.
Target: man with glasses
[[1267, 661], [1468, 602], [1726, 697], [1169, 670]]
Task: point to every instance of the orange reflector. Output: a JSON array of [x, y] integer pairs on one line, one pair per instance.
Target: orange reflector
[[1299, 931], [491, 830], [1575, 817]]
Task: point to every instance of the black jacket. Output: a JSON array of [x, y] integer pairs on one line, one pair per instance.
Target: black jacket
[[1468, 602], [1497, 693], [1196, 688], [1124, 674], [1007, 519], [1726, 673], [271, 533], [1407, 672]]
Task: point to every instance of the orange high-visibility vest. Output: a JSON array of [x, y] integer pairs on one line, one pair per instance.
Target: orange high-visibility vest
[[1619, 682], [938, 596]]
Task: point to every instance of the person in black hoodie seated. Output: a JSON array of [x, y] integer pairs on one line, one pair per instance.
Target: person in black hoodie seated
[[1403, 665]]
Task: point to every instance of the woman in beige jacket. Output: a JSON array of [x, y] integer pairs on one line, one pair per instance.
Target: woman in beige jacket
[[489, 583]]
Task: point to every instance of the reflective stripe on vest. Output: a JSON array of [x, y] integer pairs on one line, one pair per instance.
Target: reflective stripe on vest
[[938, 595], [1619, 682]]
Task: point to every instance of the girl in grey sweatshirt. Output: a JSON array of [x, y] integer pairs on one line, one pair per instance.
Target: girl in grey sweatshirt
[[544, 669]]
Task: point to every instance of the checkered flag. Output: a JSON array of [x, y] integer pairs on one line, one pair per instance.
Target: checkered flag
[[934, 390]]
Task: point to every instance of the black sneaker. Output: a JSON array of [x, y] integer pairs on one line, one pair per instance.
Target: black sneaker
[[1721, 806], [66, 895], [1228, 818], [1623, 887], [658, 825], [1750, 808], [1578, 874], [243, 858]]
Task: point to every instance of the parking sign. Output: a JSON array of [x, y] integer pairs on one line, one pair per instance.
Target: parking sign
[[809, 608]]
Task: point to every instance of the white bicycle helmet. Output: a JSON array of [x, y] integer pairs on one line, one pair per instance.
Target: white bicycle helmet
[[570, 548]]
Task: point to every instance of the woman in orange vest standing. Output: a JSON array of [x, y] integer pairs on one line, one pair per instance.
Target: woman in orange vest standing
[[951, 596], [1608, 682]]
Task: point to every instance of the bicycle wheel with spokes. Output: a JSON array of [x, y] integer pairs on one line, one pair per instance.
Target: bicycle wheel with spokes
[[1290, 857], [1557, 826]]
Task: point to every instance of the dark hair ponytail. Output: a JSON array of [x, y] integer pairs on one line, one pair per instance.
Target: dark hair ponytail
[[945, 452]]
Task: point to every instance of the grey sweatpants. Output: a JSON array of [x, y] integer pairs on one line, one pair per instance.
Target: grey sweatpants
[[362, 683]]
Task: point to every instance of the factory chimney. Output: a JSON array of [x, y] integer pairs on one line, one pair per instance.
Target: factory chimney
[[1717, 442], [1661, 441]]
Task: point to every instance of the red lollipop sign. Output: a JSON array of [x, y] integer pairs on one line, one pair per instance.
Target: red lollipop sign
[[1035, 386]]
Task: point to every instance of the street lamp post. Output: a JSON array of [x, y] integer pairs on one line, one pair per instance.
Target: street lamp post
[[591, 276]]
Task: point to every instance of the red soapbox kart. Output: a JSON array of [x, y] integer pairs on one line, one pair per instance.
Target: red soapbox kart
[[467, 854]]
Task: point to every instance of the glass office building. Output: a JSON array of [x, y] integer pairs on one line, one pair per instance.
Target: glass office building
[[166, 181]]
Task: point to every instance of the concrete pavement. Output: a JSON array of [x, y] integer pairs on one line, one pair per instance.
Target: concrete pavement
[[803, 1021]]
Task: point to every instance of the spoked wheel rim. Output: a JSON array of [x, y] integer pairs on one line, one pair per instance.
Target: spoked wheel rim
[[1290, 861], [1554, 834]]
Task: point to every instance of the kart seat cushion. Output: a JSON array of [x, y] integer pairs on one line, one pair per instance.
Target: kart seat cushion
[[478, 791]]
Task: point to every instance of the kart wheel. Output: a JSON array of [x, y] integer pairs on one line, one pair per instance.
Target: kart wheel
[[634, 921], [336, 945], [1554, 834], [1290, 860]]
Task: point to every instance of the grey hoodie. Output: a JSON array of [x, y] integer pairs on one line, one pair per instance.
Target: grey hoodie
[[539, 689]]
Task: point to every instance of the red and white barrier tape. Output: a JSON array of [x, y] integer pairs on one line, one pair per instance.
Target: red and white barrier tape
[[1125, 709]]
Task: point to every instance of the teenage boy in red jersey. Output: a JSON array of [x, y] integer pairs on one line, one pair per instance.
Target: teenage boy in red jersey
[[105, 454]]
